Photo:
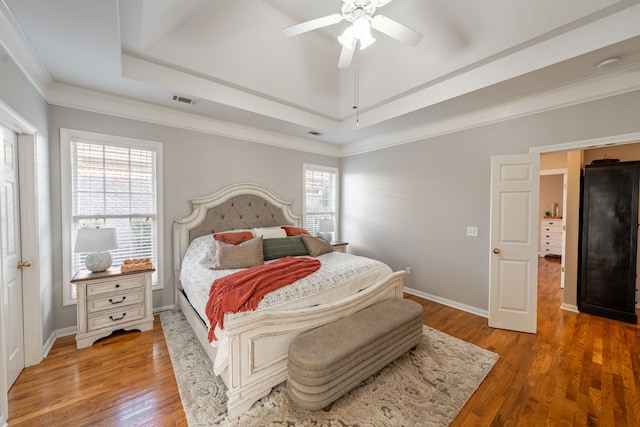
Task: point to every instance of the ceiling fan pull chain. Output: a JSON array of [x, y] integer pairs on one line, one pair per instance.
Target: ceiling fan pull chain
[[356, 100]]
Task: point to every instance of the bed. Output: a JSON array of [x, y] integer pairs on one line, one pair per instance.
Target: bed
[[250, 354]]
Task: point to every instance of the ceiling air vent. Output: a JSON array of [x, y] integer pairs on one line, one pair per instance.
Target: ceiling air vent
[[185, 100], [314, 133]]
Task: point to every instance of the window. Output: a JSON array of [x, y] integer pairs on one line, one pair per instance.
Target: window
[[114, 182], [321, 196]]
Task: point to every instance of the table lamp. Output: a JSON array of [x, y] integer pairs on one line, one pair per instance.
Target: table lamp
[[96, 242], [325, 228]]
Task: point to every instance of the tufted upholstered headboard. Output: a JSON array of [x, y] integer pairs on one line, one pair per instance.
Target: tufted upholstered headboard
[[240, 212], [238, 206]]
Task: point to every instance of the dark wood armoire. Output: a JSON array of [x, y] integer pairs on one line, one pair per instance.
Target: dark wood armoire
[[609, 240]]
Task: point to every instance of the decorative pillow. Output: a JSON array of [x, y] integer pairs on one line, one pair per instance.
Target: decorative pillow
[[294, 231], [243, 255], [269, 232], [233, 237], [315, 245], [282, 247]]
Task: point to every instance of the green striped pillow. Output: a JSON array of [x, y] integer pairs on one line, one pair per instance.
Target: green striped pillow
[[280, 247]]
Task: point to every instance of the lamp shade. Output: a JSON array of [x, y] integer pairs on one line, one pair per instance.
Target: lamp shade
[[326, 225], [96, 242]]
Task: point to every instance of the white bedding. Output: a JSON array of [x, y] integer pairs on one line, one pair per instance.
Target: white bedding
[[340, 275]]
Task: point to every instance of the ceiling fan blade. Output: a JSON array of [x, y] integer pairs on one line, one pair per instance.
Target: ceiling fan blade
[[346, 56], [396, 30], [314, 24]]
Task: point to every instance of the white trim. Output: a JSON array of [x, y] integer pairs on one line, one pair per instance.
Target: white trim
[[14, 41], [14, 121], [65, 166], [620, 139], [450, 303], [88, 100], [29, 230], [544, 172], [72, 330], [170, 307], [26, 166], [623, 81], [626, 138], [570, 307], [332, 169]]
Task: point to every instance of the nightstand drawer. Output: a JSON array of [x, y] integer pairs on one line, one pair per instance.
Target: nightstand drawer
[[111, 318], [339, 247], [117, 300], [115, 285]]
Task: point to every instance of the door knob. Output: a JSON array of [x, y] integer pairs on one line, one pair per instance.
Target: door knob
[[496, 250], [24, 264]]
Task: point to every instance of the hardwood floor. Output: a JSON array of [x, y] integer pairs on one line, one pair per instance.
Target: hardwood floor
[[579, 370], [123, 380]]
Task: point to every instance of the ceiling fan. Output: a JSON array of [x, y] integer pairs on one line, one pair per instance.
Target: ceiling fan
[[360, 13]]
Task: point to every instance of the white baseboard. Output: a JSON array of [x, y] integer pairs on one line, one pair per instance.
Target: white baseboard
[[570, 307], [450, 303], [72, 330], [54, 336], [170, 307]]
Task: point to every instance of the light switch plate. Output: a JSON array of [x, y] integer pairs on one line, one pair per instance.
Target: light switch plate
[[472, 231]]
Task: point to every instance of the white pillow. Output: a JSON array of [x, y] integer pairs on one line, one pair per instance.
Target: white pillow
[[269, 232]]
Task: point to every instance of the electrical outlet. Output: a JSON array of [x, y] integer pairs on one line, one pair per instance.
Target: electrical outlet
[[472, 231]]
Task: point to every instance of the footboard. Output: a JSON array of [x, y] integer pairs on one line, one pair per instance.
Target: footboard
[[258, 347]]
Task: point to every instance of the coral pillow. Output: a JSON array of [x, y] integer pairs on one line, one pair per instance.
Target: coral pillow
[[234, 237], [294, 231]]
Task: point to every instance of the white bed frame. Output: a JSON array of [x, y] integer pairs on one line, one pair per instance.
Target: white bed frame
[[258, 343]]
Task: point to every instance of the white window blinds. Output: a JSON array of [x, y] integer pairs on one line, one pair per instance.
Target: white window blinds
[[115, 186], [321, 196]]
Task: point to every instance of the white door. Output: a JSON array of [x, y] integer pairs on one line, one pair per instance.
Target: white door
[[513, 287], [10, 252]]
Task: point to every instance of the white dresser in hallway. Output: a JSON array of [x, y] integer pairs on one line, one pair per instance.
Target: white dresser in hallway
[[551, 236]]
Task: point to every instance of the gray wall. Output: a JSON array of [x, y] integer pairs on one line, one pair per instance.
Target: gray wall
[[21, 97], [195, 164], [410, 205]]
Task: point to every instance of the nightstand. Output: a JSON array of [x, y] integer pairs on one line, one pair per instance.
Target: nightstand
[[110, 300], [339, 247]]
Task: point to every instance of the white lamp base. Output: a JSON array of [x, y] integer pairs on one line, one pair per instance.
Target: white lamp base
[[98, 261]]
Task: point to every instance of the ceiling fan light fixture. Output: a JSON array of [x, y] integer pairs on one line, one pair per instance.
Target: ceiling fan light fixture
[[347, 39], [361, 28], [366, 42]]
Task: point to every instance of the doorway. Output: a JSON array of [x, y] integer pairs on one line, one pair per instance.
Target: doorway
[[27, 211], [625, 147], [551, 209]]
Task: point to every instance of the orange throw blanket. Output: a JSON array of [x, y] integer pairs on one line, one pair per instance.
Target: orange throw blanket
[[242, 291]]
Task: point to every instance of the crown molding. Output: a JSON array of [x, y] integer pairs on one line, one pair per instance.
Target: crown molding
[[623, 81], [64, 95], [15, 43], [13, 40]]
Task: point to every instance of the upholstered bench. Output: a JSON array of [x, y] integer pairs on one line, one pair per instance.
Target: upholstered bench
[[327, 362]]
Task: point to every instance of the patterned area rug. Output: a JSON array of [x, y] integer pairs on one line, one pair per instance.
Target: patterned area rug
[[425, 387]]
